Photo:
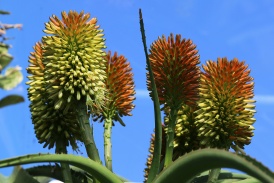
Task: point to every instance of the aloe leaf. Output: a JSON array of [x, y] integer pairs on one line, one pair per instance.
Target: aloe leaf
[[19, 175], [223, 176], [11, 99], [157, 112], [12, 78], [56, 173], [189, 165], [3, 178], [100, 172], [43, 179]]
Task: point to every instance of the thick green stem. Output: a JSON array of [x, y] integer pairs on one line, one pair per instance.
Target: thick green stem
[[87, 131], [170, 137], [61, 149], [155, 165], [107, 143]]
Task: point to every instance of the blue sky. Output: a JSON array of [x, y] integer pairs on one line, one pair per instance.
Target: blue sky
[[242, 29]]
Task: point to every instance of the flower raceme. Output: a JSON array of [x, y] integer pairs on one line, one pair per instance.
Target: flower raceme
[[174, 65], [68, 66], [74, 60], [226, 108], [49, 124], [120, 87]]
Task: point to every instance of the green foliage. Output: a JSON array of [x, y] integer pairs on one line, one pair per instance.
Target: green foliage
[[13, 75], [5, 57], [11, 78], [99, 171], [189, 165], [11, 99], [19, 175], [54, 171], [4, 12]]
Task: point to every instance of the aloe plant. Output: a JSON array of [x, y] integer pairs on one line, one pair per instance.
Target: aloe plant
[[206, 113]]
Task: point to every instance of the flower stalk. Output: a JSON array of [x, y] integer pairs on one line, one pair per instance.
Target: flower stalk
[[61, 149], [86, 131], [107, 142], [170, 137]]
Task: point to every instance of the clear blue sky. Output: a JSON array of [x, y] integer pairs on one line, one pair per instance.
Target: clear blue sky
[[242, 29]]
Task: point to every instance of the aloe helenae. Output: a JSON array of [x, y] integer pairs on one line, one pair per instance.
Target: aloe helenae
[[72, 79]]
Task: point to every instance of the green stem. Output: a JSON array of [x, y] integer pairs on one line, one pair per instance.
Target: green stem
[[157, 112], [87, 131], [61, 149], [107, 142], [237, 149], [170, 136]]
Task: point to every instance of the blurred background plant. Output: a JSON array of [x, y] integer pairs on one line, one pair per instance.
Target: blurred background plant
[[12, 76]]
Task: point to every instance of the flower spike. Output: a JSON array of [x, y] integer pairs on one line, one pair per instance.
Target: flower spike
[[119, 98], [73, 59], [174, 63], [226, 108], [49, 124]]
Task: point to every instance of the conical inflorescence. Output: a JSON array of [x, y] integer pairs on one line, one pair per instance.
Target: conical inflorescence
[[74, 60], [174, 63], [120, 87], [67, 67], [226, 107], [49, 124]]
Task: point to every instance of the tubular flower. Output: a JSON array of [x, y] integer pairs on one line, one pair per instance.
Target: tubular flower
[[49, 124], [226, 108], [120, 87], [174, 66], [74, 60]]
